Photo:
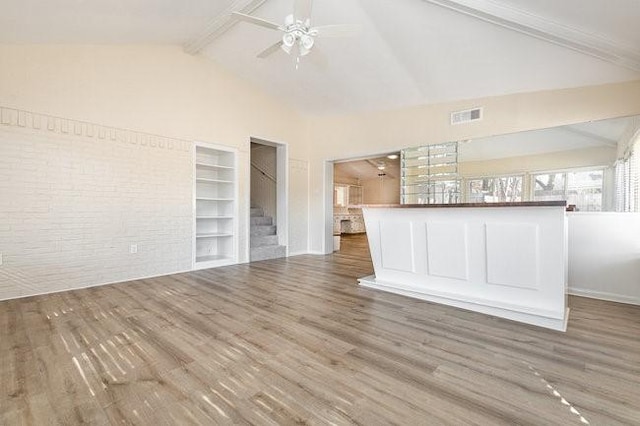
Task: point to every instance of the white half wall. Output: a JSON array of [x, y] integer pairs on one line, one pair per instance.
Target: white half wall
[[505, 261], [604, 255]]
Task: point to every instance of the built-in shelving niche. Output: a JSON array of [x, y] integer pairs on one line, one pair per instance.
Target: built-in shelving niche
[[216, 218]]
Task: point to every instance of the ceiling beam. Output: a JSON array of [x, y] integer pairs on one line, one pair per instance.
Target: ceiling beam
[[596, 139], [220, 24], [544, 29]]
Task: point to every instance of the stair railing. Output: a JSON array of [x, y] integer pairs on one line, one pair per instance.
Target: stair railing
[[264, 172]]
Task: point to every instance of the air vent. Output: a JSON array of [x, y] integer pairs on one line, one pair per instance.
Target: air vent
[[466, 116]]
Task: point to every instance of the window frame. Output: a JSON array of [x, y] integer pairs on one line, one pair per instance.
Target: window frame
[[566, 171]]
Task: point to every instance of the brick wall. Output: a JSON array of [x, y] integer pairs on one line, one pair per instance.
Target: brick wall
[[74, 196]]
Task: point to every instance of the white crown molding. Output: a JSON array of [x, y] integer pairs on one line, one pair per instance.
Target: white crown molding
[[542, 28], [220, 24], [48, 124]]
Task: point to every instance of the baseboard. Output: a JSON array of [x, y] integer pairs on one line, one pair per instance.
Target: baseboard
[[297, 253], [603, 295], [316, 253], [540, 319], [146, 277]]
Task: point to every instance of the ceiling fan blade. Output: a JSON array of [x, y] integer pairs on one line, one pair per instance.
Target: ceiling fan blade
[[256, 21], [270, 50], [302, 10], [336, 30]]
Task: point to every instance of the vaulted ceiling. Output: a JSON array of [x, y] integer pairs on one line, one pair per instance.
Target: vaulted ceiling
[[408, 52]]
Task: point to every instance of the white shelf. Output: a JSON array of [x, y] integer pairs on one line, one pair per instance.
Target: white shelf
[[208, 180], [213, 166], [213, 217], [212, 258], [215, 230], [214, 235]]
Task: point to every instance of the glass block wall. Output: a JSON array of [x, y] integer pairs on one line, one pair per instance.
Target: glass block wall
[[430, 175]]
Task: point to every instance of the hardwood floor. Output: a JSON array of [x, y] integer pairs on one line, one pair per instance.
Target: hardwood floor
[[296, 341]]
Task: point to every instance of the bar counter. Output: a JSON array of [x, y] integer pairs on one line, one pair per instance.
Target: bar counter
[[503, 259], [458, 205]]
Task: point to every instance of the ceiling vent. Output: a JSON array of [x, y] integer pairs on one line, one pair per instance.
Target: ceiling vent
[[466, 116]]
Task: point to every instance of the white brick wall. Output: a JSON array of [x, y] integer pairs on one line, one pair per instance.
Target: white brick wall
[[74, 197]]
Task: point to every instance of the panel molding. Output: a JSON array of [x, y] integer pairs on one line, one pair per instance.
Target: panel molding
[[513, 254], [453, 246], [401, 257], [542, 28], [53, 125]]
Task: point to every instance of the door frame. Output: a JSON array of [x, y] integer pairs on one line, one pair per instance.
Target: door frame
[[282, 192]]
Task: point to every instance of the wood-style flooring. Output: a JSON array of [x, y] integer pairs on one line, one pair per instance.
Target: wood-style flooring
[[296, 341]]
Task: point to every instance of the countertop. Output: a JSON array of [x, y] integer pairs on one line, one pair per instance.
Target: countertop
[[474, 205]]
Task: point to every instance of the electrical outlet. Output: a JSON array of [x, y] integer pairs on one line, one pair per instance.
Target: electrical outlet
[[133, 249]]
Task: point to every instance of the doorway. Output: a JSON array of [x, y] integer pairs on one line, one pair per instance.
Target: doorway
[[268, 237], [371, 180]]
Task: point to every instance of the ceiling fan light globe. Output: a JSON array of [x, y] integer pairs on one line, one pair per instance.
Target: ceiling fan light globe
[[306, 41], [288, 40]]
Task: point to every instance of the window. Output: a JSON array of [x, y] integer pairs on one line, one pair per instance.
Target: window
[[347, 195], [628, 183], [582, 188], [495, 189]]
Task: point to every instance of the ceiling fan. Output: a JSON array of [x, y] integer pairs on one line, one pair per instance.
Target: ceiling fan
[[297, 30]]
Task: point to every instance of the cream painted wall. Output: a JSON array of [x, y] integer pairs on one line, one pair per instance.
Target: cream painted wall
[[158, 90], [376, 191], [360, 135], [601, 156], [153, 89]]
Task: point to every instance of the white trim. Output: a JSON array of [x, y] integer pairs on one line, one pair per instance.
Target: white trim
[[571, 169], [604, 295], [327, 207], [282, 192], [565, 171], [525, 22], [539, 318], [298, 253]]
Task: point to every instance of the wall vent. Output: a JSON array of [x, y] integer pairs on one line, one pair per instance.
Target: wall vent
[[466, 116]]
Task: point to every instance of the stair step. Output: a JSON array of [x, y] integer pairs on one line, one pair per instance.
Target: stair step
[[256, 211], [261, 220], [267, 252], [258, 230], [265, 240]]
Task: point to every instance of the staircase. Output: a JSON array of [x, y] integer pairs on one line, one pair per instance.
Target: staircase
[[263, 239]]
